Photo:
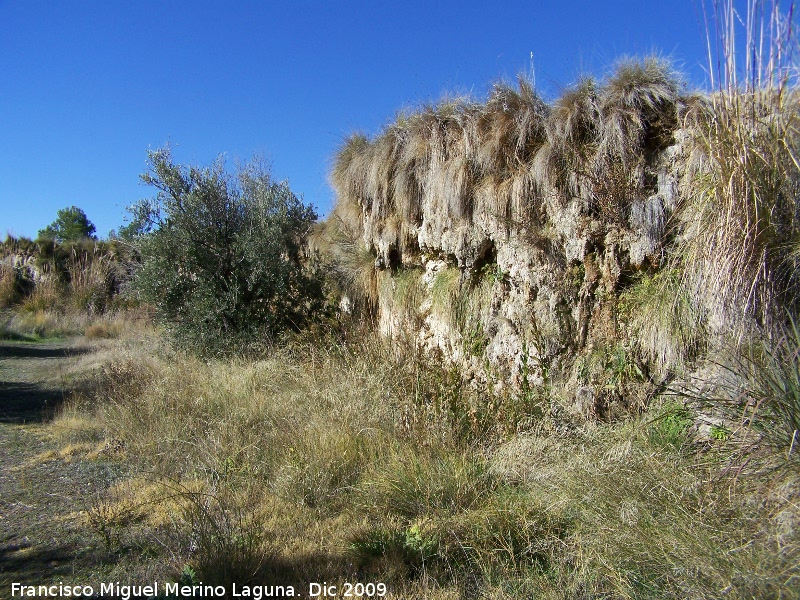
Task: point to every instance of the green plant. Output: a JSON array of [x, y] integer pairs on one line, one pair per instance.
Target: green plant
[[576, 275], [611, 366], [188, 576], [493, 273], [670, 428], [445, 289], [463, 305], [412, 545], [667, 328], [475, 340], [373, 542], [224, 264], [419, 542], [72, 225], [720, 433]]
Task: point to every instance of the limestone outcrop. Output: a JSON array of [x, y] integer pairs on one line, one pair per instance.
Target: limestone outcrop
[[527, 242]]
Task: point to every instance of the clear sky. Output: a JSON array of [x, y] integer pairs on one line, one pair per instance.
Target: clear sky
[[86, 87]]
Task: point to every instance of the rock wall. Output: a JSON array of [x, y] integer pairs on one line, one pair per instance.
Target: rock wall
[[530, 243], [26, 265]]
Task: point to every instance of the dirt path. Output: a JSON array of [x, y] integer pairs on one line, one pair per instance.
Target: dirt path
[[31, 379], [42, 535]]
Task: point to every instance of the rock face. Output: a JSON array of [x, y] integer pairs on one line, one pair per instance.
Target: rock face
[[503, 232], [518, 239], [24, 264]]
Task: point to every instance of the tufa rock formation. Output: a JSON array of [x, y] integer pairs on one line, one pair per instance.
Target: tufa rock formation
[[543, 244]]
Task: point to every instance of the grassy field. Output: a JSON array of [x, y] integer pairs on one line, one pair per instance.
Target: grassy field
[[344, 459]]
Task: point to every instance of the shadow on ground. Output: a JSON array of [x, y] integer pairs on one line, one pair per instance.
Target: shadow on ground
[[33, 565], [21, 350], [25, 393], [28, 402]]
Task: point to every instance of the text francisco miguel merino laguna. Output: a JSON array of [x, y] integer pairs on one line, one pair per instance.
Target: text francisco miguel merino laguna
[[256, 592]]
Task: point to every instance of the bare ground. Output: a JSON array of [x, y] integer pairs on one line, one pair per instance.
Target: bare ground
[[43, 496]]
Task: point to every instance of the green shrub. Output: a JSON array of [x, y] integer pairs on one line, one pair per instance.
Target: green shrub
[[224, 264]]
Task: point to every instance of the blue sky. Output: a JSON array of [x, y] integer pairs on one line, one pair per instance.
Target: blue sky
[[86, 87]]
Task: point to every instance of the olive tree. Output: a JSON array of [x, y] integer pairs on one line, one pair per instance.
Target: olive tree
[[223, 260]]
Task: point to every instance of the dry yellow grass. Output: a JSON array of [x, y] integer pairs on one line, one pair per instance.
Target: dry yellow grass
[[333, 459]]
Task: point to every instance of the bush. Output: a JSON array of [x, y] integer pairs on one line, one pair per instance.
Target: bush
[[223, 264]]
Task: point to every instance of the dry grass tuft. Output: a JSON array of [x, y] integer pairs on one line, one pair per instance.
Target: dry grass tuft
[[349, 263], [462, 160], [740, 210], [10, 286], [638, 108]]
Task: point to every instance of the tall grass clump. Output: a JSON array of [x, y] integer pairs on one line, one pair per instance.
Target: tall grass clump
[[648, 519], [91, 279], [12, 286], [446, 163], [741, 190], [339, 250], [756, 385], [638, 111]]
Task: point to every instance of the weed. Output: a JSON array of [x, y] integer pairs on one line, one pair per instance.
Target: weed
[[671, 426], [720, 433]]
